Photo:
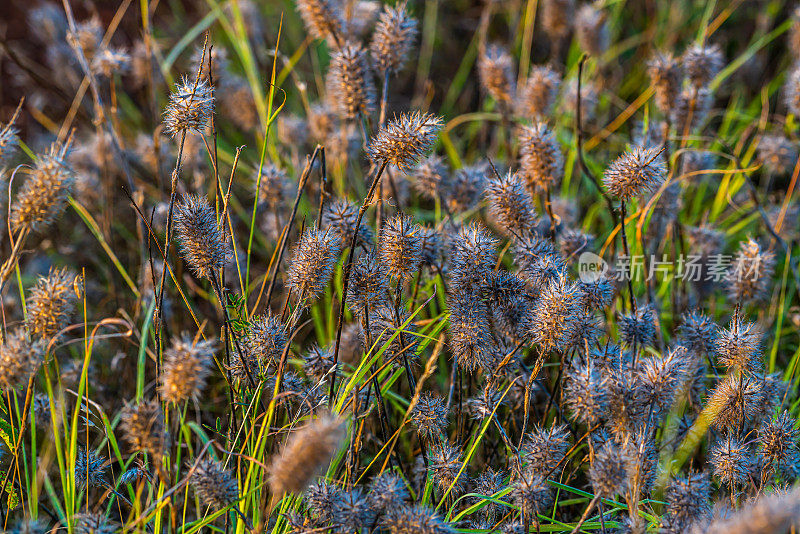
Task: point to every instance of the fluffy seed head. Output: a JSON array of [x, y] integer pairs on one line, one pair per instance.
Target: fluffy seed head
[[307, 452], [739, 346], [665, 73], [554, 313], [750, 274], [203, 244], [8, 143], [369, 285], [186, 366], [415, 519], [44, 194], [90, 469], [698, 333], [541, 162], [350, 81], [393, 39], [777, 153], [702, 63], [689, 105], [792, 91], [312, 263], [496, 72], [686, 501], [777, 440], [321, 17], [608, 472], [464, 189], [591, 29], [539, 93], [735, 402], [471, 341], [445, 464], [51, 303], [660, 376], [214, 485], [91, 523], [557, 17], [266, 339], [732, 461], [510, 203], [190, 107], [19, 359], [405, 139], [471, 254], [635, 173], [387, 491], [352, 511], [545, 447], [533, 496], [429, 416], [431, 177], [400, 252], [275, 190], [318, 362], [340, 216], [586, 396], [143, 426], [638, 329]]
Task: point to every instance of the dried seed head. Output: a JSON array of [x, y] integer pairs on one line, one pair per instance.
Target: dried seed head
[[90, 469], [431, 245], [190, 107], [266, 340], [557, 17], [444, 465], [471, 253], [533, 496], [44, 194], [544, 447], [690, 109], [352, 511], [383, 324], [318, 362], [590, 98], [701, 64], [608, 472], [275, 191], [387, 490], [596, 295], [91, 523], [554, 313], [464, 189], [777, 153], [405, 139], [8, 143], [19, 359], [369, 285], [635, 173], [307, 452], [659, 377], [214, 485], [750, 274], [186, 366], [415, 519], [586, 396], [770, 512], [320, 498], [735, 401], [340, 216], [431, 177], [322, 18], [591, 29], [29, 526], [203, 243], [510, 204], [665, 73], [393, 39], [686, 501], [485, 403], [777, 440], [429, 416], [471, 340], [739, 346], [732, 461], [108, 61], [496, 72], [541, 162], [574, 242], [792, 91], [400, 251], [312, 263], [638, 329], [350, 82], [143, 426], [539, 93], [51, 304], [698, 332]]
